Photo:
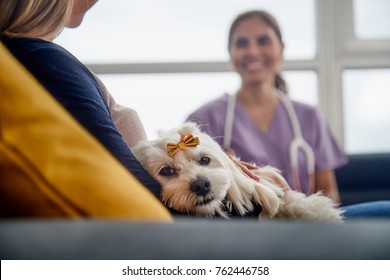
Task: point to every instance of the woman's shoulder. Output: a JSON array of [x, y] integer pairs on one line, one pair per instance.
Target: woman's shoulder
[[305, 110], [44, 59], [216, 105], [30, 48], [50, 63], [211, 115], [303, 106]]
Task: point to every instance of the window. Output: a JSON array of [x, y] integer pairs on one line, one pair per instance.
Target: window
[[163, 101], [364, 63], [133, 31], [171, 97], [372, 19], [366, 110]]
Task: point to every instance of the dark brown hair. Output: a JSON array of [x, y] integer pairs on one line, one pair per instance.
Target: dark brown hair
[[270, 20]]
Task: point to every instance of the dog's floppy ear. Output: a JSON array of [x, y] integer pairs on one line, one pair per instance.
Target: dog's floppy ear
[[189, 128], [240, 192], [139, 150]]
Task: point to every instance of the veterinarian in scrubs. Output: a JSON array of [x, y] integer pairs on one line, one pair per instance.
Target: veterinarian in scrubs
[[260, 124], [27, 29], [260, 129]]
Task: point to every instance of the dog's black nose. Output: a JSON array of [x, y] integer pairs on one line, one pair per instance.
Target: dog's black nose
[[200, 187]]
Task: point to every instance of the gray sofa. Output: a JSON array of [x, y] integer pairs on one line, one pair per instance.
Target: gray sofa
[[365, 178], [194, 239]]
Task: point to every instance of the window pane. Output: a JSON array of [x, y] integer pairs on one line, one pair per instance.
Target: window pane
[[366, 110], [174, 30], [372, 20], [163, 101], [302, 86]]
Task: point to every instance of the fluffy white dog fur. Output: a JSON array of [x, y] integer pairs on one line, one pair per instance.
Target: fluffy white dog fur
[[204, 181]]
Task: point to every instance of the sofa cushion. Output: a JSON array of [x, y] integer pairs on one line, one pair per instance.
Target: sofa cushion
[[51, 167]]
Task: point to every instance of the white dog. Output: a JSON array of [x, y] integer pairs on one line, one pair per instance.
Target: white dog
[[197, 177]]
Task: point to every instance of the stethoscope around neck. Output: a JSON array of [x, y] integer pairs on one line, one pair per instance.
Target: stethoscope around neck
[[298, 143]]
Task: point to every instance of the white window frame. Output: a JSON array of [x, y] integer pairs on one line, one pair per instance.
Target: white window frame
[[340, 49]]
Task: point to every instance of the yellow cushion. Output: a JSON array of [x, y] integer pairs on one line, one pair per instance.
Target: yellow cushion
[[51, 167]]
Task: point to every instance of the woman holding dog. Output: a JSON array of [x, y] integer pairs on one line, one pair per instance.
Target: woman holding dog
[[27, 29]]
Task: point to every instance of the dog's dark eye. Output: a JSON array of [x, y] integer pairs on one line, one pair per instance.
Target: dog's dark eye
[[204, 161], [166, 171]]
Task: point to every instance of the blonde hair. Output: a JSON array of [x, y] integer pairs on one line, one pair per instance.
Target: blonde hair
[[34, 18], [269, 19]]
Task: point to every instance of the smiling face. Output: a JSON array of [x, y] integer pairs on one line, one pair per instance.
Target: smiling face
[[255, 50]]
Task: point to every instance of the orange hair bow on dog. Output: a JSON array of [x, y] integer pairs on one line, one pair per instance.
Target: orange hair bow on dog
[[186, 141]]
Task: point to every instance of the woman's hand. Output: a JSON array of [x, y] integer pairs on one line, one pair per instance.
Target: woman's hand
[[249, 168], [246, 167]]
